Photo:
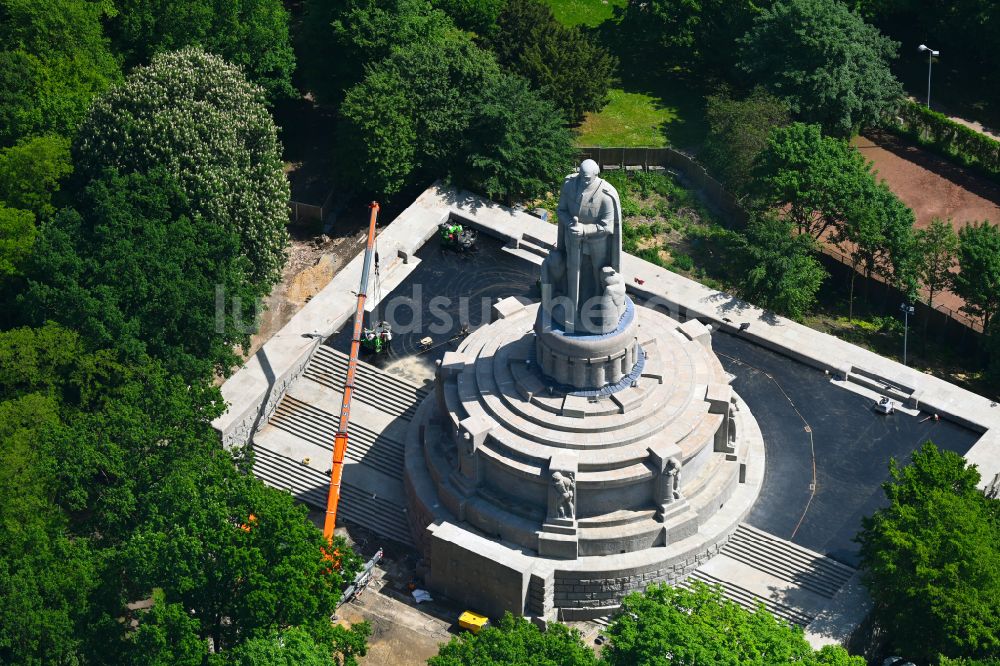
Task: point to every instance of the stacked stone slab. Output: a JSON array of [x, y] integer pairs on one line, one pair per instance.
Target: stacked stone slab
[[550, 474]]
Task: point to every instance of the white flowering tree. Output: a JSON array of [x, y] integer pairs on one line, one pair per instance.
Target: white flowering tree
[[198, 117]]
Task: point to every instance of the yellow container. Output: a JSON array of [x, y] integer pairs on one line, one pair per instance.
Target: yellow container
[[473, 621]]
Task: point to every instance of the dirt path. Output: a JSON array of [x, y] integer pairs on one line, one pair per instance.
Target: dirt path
[[932, 186]]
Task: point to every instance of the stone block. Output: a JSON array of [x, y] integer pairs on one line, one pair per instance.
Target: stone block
[[506, 307]]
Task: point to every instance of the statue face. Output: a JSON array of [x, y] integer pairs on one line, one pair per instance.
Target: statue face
[[588, 172]]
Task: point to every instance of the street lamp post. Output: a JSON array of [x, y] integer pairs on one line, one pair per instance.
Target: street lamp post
[[931, 53], [907, 311]]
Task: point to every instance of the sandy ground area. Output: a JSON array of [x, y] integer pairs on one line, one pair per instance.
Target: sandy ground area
[[932, 186]]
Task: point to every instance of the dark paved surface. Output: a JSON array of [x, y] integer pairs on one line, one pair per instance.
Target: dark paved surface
[[449, 290], [852, 446], [852, 443]]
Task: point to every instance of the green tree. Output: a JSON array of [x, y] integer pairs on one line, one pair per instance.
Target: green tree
[[828, 64], [165, 635], [516, 642], [700, 626], [409, 114], [780, 271], [516, 145], [479, 16], [54, 58], [931, 559], [30, 172], [694, 34], [131, 271], [292, 647], [341, 38], [241, 557], [738, 133], [197, 117], [938, 247], [569, 67], [250, 33], [877, 233], [816, 181], [17, 237], [978, 279]]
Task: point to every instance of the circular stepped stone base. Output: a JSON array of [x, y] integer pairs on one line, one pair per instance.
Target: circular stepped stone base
[[483, 448]]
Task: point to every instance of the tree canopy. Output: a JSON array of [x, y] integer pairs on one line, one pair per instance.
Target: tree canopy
[[931, 558], [252, 34], [197, 117], [569, 67], [700, 626], [31, 170], [823, 59], [133, 270], [54, 58], [780, 271], [516, 145], [516, 642], [937, 248], [738, 133], [978, 280], [341, 38]]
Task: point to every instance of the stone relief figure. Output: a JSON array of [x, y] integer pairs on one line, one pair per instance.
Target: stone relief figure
[[565, 487], [582, 287], [673, 474]]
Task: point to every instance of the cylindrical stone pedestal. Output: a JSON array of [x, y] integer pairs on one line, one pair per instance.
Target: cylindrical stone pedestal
[[587, 361]]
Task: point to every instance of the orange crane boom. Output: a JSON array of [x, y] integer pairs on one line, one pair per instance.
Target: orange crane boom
[[340, 441]]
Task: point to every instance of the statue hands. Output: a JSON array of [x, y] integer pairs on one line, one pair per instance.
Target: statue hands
[[576, 228]]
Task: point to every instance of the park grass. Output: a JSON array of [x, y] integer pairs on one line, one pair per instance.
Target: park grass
[[629, 119], [589, 13], [668, 111]]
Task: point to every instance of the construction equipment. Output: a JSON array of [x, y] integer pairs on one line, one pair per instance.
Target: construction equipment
[[361, 581], [456, 237], [377, 339], [340, 439]]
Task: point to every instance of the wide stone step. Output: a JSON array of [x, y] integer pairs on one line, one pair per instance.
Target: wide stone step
[[319, 427], [379, 389], [787, 561], [311, 486], [751, 600]]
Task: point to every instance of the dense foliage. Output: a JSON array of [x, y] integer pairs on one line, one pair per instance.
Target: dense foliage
[[516, 642], [824, 60], [250, 33], [133, 269], [197, 117], [567, 66], [978, 278], [780, 271], [931, 559], [700, 626], [443, 106], [738, 133], [54, 58]]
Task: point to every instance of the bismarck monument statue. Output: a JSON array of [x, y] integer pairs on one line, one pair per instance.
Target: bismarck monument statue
[[581, 448]]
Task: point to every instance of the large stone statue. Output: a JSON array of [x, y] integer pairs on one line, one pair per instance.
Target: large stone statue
[[582, 287], [565, 487]]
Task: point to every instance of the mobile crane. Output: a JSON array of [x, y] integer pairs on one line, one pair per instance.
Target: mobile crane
[[340, 440]]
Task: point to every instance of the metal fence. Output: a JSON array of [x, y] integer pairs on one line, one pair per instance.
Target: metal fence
[[713, 193], [303, 212]]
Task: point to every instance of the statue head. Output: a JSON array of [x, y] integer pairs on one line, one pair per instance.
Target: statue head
[[589, 171]]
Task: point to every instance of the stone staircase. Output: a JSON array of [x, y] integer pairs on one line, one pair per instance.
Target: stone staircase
[[367, 446], [381, 390], [751, 600], [787, 561], [529, 248], [311, 486]]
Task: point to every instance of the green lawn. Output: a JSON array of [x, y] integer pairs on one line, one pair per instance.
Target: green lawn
[[667, 112], [584, 12], [629, 119]]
